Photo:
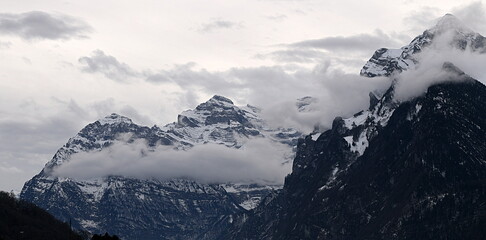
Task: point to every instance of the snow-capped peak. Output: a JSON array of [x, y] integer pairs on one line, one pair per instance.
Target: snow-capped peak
[[449, 32], [114, 119], [220, 99]]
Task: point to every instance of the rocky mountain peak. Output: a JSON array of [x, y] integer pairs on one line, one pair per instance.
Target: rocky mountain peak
[[220, 99], [216, 110], [448, 33], [114, 119], [215, 103], [175, 208]]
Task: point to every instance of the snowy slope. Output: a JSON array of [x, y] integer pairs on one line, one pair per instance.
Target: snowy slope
[[449, 32], [186, 207], [398, 170]]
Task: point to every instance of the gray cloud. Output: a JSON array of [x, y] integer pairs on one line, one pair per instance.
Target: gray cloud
[[269, 87], [295, 55], [28, 140], [347, 51], [258, 161], [473, 15], [42, 25], [218, 24], [359, 42], [187, 74], [107, 65]]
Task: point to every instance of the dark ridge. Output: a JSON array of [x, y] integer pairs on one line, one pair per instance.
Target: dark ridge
[[421, 177], [22, 220]]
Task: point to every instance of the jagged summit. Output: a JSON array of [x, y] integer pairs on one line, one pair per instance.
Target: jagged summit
[[448, 33], [152, 208], [219, 98], [114, 119], [397, 170], [217, 110], [217, 102]]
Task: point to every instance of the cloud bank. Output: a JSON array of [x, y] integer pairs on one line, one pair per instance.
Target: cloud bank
[[42, 25], [258, 161]]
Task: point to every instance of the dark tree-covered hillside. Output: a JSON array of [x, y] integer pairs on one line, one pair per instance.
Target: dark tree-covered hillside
[[22, 220]]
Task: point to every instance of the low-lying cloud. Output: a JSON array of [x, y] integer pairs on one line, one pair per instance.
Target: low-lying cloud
[[258, 161], [430, 70], [42, 25]]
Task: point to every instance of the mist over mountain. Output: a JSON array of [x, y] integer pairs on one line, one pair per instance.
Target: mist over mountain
[[409, 165], [167, 182], [412, 166]]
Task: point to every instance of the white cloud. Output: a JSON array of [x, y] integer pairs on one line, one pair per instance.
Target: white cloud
[[430, 70], [258, 161]]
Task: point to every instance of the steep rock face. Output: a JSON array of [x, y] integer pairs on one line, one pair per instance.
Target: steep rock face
[[151, 208], [103, 133], [219, 121], [136, 209], [421, 177], [398, 170], [449, 33]]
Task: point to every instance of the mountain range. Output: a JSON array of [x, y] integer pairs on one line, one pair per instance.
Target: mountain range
[[150, 207], [413, 169], [401, 169]]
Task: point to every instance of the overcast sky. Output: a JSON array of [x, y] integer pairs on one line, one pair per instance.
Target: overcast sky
[[65, 64]]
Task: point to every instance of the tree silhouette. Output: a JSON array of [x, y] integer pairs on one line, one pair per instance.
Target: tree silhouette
[[23, 220], [105, 237]]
